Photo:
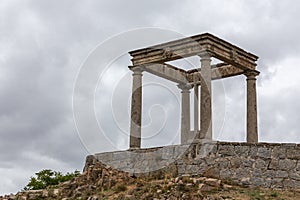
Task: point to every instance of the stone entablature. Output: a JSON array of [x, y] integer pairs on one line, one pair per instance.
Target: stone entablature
[[195, 45], [254, 165]]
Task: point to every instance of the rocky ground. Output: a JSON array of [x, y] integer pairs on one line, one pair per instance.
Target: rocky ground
[[102, 182]]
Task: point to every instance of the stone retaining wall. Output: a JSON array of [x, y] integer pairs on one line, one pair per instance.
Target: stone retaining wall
[[254, 165]]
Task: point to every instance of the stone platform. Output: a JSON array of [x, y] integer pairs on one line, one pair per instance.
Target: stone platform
[[254, 165]]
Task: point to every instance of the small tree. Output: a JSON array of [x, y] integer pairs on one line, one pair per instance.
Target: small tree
[[48, 177]]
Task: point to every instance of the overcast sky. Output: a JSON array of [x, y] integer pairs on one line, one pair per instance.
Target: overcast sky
[[43, 44]]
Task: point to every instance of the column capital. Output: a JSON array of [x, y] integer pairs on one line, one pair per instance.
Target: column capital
[[205, 55], [185, 87], [137, 70], [251, 74]]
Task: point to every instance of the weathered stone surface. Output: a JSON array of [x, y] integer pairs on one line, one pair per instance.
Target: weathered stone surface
[[258, 182], [212, 172], [246, 170], [293, 154], [226, 150], [226, 174], [242, 150], [223, 163], [281, 174], [235, 162], [294, 176], [253, 151], [298, 166], [240, 162], [278, 152], [240, 173], [269, 173], [273, 164], [257, 172], [261, 164], [248, 163], [289, 183], [264, 152], [286, 164]]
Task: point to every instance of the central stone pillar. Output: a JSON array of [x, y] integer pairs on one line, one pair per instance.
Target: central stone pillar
[[252, 134], [205, 109], [196, 108], [185, 112], [136, 108]]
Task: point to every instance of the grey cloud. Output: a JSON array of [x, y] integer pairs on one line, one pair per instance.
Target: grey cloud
[[43, 44]]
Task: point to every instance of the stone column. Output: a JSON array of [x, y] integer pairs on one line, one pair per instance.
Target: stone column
[[196, 108], [252, 135], [185, 112], [136, 108], [205, 109]]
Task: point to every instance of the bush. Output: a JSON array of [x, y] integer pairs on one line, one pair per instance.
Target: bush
[[48, 177]]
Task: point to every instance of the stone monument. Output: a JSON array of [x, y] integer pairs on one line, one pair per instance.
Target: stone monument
[[234, 61]]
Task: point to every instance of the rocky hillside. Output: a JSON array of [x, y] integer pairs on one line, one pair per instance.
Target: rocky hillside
[[102, 182]]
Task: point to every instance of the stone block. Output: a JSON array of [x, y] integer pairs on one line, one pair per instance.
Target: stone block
[[263, 152], [212, 172], [226, 150], [273, 164], [167, 152], [198, 161], [297, 184], [289, 183], [180, 151], [242, 173], [242, 150], [104, 157], [286, 164], [258, 182], [253, 151], [120, 155], [222, 163], [298, 166], [247, 163], [114, 164], [295, 176], [269, 173], [261, 164], [125, 164], [235, 162], [226, 174], [278, 152], [277, 183], [281, 174], [288, 145], [268, 182], [293, 154], [210, 161], [257, 173], [206, 149]]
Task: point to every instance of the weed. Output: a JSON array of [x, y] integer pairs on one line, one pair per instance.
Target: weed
[[274, 194], [120, 188]]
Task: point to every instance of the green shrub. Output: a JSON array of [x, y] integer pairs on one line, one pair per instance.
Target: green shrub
[[48, 177]]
